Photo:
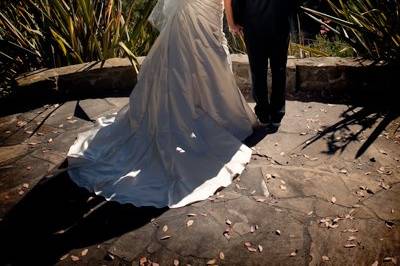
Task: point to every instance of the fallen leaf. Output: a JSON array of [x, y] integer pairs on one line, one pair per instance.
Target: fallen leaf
[[351, 238], [350, 245], [142, 261], [247, 244], [74, 258], [260, 199], [391, 259], [325, 258], [389, 224], [84, 252], [165, 228], [260, 248], [211, 262], [64, 257], [189, 223], [251, 249], [384, 186], [310, 213], [222, 255], [350, 230], [165, 237]]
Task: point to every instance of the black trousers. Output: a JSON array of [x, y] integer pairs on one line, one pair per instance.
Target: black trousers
[[266, 31], [262, 49]]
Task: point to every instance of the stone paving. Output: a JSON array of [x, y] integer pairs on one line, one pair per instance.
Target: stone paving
[[323, 190]]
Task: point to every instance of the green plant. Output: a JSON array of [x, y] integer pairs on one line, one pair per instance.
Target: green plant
[[322, 46], [371, 27], [53, 33]]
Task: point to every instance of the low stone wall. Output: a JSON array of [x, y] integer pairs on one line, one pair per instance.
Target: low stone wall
[[327, 79]]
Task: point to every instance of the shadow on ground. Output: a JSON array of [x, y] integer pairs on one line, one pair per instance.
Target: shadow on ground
[[57, 216], [339, 135]]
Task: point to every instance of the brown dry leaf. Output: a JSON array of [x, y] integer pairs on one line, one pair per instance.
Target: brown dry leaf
[[351, 238], [351, 230], [247, 244], [390, 259], [384, 186], [325, 258], [211, 262], [278, 232], [260, 199], [189, 223], [222, 255], [350, 245], [64, 257], [142, 261], [333, 200], [260, 248], [251, 249], [165, 228], [227, 233], [165, 237], [176, 262], [343, 171], [74, 258], [84, 252], [228, 222]]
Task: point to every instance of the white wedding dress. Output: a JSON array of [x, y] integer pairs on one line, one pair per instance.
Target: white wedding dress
[[179, 138]]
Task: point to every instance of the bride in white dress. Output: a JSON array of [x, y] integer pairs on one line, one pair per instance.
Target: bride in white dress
[[179, 139]]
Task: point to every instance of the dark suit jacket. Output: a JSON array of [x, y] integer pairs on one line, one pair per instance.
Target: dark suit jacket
[[268, 16]]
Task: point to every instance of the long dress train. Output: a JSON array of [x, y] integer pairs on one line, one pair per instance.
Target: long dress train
[[178, 139]]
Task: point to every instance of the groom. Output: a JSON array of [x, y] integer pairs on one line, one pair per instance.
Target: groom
[[266, 27]]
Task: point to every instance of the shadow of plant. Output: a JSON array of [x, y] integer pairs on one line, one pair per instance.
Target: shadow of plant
[[58, 216], [342, 133]]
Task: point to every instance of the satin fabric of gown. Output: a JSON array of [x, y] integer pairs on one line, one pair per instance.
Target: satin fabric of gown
[[179, 139]]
